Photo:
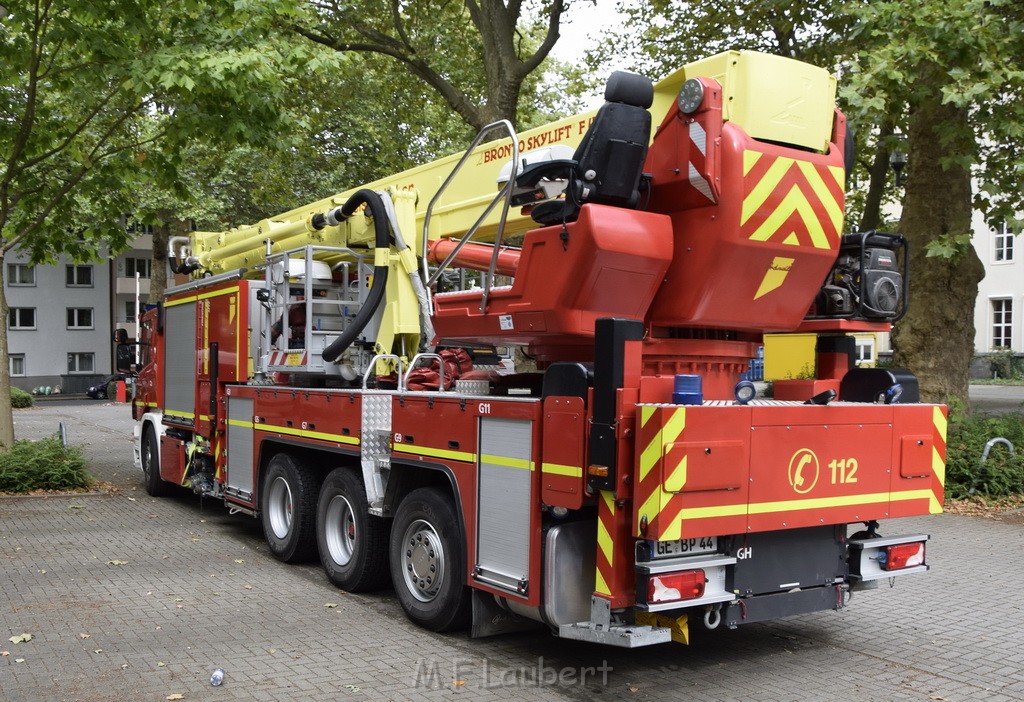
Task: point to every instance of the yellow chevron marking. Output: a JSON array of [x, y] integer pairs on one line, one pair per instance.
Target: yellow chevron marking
[[793, 202], [828, 200], [674, 426], [675, 480], [646, 412], [939, 465], [672, 531], [765, 187], [651, 506], [749, 159], [649, 456], [600, 586], [792, 240], [775, 276]]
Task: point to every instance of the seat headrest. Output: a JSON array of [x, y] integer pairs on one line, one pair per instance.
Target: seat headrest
[[629, 88]]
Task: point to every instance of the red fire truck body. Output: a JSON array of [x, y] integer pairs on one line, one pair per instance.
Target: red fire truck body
[[629, 488]]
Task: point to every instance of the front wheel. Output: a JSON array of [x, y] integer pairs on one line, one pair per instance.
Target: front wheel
[[428, 562], [353, 543], [150, 449], [288, 507]]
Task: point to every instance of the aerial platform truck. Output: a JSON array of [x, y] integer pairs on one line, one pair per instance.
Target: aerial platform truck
[[331, 371]]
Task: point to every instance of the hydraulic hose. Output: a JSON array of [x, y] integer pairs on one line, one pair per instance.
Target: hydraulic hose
[[380, 267]]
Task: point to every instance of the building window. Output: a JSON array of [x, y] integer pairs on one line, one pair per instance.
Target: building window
[[1002, 324], [17, 365], [21, 274], [1004, 243], [79, 318], [865, 351], [80, 363], [79, 276], [129, 312], [137, 265], [22, 318]]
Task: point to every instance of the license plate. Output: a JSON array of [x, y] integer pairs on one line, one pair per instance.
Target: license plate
[[685, 547]]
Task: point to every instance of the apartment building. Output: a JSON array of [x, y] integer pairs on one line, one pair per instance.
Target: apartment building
[[1000, 301], [61, 316]]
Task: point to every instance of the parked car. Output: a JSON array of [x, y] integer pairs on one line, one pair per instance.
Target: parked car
[[99, 390]]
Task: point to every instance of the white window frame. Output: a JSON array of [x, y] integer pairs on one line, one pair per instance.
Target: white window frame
[[862, 345], [77, 268], [75, 359], [1003, 244], [1001, 328], [75, 311], [16, 312], [13, 279], [12, 358]]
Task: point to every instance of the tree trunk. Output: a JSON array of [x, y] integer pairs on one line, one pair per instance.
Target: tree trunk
[[878, 173], [936, 338], [158, 271], [6, 413]]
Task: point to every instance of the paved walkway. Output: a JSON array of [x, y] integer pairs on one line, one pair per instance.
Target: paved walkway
[[131, 598]]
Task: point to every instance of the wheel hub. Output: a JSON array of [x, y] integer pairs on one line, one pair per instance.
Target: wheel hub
[[423, 563]]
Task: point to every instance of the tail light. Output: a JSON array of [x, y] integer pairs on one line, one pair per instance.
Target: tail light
[[902, 556], [674, 587]]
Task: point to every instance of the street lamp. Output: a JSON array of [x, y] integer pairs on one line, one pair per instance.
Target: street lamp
[[898, 161]]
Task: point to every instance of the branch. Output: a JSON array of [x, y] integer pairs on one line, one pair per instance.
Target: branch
[[527, 66]]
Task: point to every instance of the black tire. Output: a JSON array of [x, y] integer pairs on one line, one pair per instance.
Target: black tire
[[150, 450], [353, 544], [288, 509], [428, 561]]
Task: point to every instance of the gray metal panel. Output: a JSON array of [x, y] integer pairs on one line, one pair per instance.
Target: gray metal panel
[[503, 536], [570, 561], [240, 446], [180, 359]]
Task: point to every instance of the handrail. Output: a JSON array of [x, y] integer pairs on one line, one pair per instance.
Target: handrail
[[373, 364], [404, 385], [505, 190]]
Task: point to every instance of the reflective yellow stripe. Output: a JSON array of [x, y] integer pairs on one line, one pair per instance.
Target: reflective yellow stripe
[[600, 586], [604, 539], [180, 301], [506, 461], [796, 505], [939, 465], [307, 433], [435, 453], [559, 469], [218, 293], [244, 423], [676, 479], [646, 412], [179, 413], [755, 200]]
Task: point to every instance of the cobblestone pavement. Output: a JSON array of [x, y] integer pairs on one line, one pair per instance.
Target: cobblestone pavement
[[132, 598]]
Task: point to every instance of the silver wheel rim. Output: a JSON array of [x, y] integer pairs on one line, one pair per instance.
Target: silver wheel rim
[[340, 530], [147, 458], [279, 507], [423, 564]]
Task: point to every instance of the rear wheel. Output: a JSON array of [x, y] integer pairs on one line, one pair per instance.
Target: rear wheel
[[150, 449], [353, 543], [288, 507], [428, 562]]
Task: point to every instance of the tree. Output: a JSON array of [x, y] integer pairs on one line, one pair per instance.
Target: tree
[[480, 74], [86, 99], [956, 67]]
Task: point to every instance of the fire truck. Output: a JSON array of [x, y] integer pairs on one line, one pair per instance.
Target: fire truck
[[332, 371]]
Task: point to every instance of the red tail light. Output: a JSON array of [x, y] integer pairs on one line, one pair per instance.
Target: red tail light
[[688, 585], [903, 556]]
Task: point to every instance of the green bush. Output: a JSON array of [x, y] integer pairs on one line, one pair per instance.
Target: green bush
[[1002, 474], [20, 398], [42, 465]]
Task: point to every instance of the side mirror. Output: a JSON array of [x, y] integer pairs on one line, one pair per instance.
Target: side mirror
[[124, 357], [120, 336]]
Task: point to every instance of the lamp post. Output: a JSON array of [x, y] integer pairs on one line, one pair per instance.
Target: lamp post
[[898, 161]]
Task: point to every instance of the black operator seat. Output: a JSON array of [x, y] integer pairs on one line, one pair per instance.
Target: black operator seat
[[608, 164]]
